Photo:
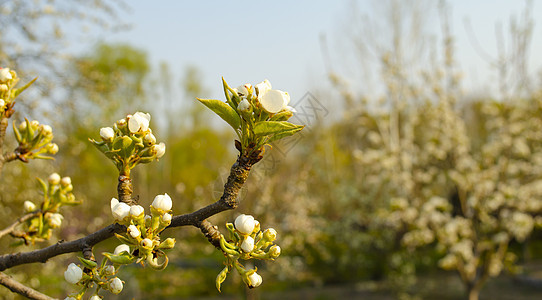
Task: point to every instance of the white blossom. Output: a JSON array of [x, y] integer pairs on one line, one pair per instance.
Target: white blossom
[[55, 220], [274, 251], [5, 75], [150, 139], [52, 148], [160, 149], [274, 101], [166, 218], [107, 133], [255, 280], [115, 285], [109, 269], [136, 210], [244, 106], [262, 88], [73, 274], [245, 223], [147, 243], [95, 297], [139, 122], [53, 178], [248, 244], [66, 181], [29, 206], [162, 202], [120, 210], [121, 248], [133, 231]]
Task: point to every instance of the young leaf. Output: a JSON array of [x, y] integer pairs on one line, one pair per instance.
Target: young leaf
[[88, 263], [223, 110], [16, 92], [284, 134], [273, 127]]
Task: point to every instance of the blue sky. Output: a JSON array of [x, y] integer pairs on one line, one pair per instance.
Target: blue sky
[[248, 41]]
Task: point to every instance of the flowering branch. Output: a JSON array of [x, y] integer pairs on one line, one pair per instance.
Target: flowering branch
[[21, 289]]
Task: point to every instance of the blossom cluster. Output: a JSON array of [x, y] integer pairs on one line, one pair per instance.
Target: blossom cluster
[[246, 241], [34, 140], [130, 142], [56, 193]]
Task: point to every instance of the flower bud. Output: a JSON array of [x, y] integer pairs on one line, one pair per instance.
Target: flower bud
[[160, 149], [169, 243], [73, 274], [274, 251], [66, 181], [95, 297], [34, 124], [109, 269], [121, 248], [120, 210], [162, 202], [52, 148], [22, 126], [29, 206], [244, 106], [136, 210], [46, 129], [243, 90], [248, 244], [54, 179], [150, 139], [255, 280], [270, 234], [133, 231], [55, 220], [274, 101], [107, 133], [147, 243], [245, 224], [2, 103], [115, 285], [5, 75], [166, 218], [3, 88], [262, 88]]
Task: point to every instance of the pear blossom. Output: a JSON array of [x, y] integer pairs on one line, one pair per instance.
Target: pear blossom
[[139, 121], [270, 234], [146, 243], [133, 231], [3, 88], [66, 181], [46, 129], [262, 88], [274, 251], [245, 224], [242, 90], [95, 297], [150, 139], [109, 269], [115, 285], [120, 210], [121, 248], [248, 244], [107, 133], [5, 75], [136, 210], [291, 109], [2, 103], [162, 202], [52, 148], [73, 274], [244, 106], [54, 179], [166, 218], [160, 149], [29, 206], [55, 220], [274, 101], [255, 280]]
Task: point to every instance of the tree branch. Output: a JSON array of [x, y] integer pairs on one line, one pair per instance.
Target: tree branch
[[3, 127], [238, 176], [22, 219], [21, 289]]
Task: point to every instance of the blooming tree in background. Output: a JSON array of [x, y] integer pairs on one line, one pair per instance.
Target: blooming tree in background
[[257, 114]]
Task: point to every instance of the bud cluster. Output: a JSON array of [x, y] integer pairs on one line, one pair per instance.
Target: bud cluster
[[259, 115], [130, 142], [90, 274], [246, 241], [56, 193], [143, 232], [8, 92], [34, 140]]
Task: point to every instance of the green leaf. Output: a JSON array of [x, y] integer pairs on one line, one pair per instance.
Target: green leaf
[[123, 258], [274, 127], [21, 89], [223, 110], [17, 133], [88, 263], [43, 185], [284, 134]]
